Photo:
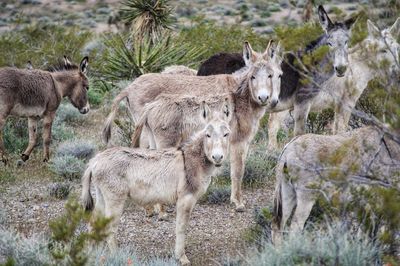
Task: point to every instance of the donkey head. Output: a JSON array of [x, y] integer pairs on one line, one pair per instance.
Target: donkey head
[[216, 141], [383, 44], [264, 76], [337, 37], [223, 111], [78, 94]]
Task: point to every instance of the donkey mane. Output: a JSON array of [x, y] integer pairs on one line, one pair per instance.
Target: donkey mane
[[61, 66]]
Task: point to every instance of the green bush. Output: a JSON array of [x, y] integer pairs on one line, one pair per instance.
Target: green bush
[[217, 195], [59, 190], [125, 58], [67, 166], [15, 135], [42, 44], [6, 175], [215, 39], [67, 113]]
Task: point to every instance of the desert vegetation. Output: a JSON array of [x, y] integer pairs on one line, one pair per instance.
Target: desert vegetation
[[41, 219]]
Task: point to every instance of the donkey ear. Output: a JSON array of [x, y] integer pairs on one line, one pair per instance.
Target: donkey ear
[[67, 63], [205, 111], [269, 51], [350, 22], [248, 54], [277, 54], [394, 30], [373, 30], [226, 108], [324, 19], [29, 65], [84, 64]]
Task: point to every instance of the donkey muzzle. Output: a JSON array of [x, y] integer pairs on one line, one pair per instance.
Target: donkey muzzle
[[84, 110], [340, 70]]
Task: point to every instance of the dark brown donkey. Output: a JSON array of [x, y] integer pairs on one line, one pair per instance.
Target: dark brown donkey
[[37, 94]]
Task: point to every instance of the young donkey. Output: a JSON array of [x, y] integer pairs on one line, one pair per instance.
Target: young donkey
[[157, 176], [254, 89], [293, 94], [37, 94], [312, 166]]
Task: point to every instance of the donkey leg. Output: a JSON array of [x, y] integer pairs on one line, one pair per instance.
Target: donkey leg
[[184, 207], [3, 118], [342, 117], [274, 124], [305, 202], [300, 117], [32, 127], [113, 209], [238, 155], [47, 123]]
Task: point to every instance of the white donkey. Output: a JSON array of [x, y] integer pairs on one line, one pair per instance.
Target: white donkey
[[156, 176], [342, 93]]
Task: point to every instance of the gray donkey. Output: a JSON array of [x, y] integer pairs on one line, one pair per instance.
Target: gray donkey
[[254, 89], [313, 166], [37, 94], [150, 177]]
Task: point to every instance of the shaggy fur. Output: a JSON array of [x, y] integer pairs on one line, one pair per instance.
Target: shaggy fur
[[261, 77], [37, 94], [179, 70], [148, 177], [312, 166]]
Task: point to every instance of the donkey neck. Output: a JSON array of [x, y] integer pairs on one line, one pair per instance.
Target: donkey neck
[[65, 81], [196, 164]]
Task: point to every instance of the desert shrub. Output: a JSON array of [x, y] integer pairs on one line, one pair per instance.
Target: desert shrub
[[67, 166], [217, 195], [3, 216], [67, 113], [317, 122], [259, 167], [59, 190], [125, 256], [335, 246], [260, 233], [127, 58], [45, 43], [15, 135], [215, 39], [59, 132], [23, 251], [78, 148]]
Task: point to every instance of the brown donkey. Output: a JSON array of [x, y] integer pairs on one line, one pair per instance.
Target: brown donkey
[[37, 94]]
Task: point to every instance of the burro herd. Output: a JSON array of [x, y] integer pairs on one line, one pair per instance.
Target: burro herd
[[189, 122]]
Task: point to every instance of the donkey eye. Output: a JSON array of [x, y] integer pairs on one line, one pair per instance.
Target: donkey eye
[[280, 76], [208, 136], [329, 44], [226, 134], [345, 42], [253, 77], [270, 76]]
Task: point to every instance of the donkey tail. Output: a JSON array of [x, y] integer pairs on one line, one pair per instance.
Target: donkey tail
[[140, 125], [87, 199], [108, 124], [277, 212]]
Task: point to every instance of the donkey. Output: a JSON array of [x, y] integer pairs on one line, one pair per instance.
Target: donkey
[[312, 166], [148, 177], [37, 94], [179, 70], [293, 94], [172, 119], [342, 94], [254, 89]]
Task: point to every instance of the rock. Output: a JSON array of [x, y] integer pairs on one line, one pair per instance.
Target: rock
[[103, 10], [31, 2]]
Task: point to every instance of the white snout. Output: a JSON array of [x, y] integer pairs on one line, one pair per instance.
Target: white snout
[[263, 97], [218, 157], [85, 109]]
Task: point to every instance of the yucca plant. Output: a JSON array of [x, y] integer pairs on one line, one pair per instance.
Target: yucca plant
[[149, 18], [128, 58]]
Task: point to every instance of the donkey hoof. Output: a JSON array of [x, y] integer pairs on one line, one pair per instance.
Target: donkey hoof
[[20, 163], [184, 260], [24, 157], [240, 208], [4, 159], [45, 160]]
